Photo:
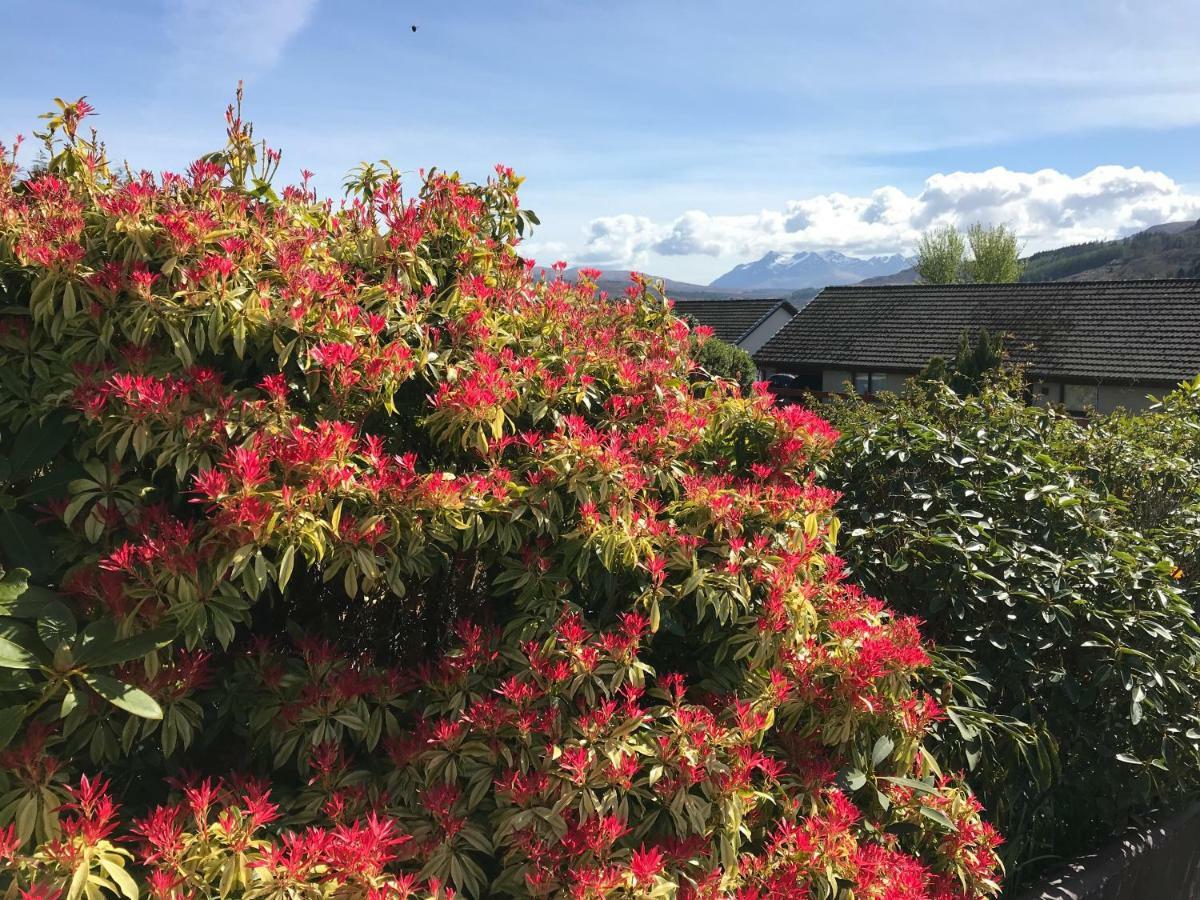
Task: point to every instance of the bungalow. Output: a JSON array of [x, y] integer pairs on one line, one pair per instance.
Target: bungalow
[[1084, 344], [748, 324]]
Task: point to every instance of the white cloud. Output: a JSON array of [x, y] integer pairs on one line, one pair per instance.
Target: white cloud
[[544, 253], [619, 238], [1046, 209], [250, 34]]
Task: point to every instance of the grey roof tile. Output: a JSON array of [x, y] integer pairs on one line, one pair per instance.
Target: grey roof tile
[[1131, 331], [731, 320]]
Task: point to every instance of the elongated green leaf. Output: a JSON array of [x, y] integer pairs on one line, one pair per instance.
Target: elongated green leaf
[[13, 384], [19, 646], [124, 696], [70, 702], [54, 483], [10, 720], [79, 882], [35, 602], [26, 816], [99, 648], [936, 815], [13, 585], [38, 443], [21, 544], [120, 877], [285, 566], [911, 783], [56, 625], [882, 750]]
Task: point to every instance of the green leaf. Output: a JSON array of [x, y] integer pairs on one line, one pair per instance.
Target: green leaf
[[124, 696], [54, 483], [70, 702], [38, 443], [94, 638], [882, 750], [10, 721], [18, 646], [79, 882], [285, 566], [936, 815], [910, 783], [853, 779], [13, 584], [35, 602], [56, 625], [123, 880], [26, 817], [98, 648], [22, 545]]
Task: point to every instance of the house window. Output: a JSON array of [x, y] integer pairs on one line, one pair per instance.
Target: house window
[[1078, 397], [869, 382]]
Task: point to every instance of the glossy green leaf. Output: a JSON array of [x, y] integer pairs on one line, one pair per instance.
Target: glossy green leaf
[[38, 443], [19, 646], [10, 722], [124, 696], [936, 815], [882, 749], [13, 585], [22, 544], [99, 647]]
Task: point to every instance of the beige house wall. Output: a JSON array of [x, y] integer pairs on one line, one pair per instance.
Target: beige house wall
[[833, 381]]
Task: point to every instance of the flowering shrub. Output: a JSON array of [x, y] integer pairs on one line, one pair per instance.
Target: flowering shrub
[[365, 564]]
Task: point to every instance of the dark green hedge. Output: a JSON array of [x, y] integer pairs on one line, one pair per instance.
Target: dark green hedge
[[1053, 561]]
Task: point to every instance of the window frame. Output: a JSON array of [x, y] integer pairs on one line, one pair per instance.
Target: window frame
[[875, 381]]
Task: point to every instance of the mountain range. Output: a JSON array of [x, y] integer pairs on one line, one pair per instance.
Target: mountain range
[[808, 269], [614, 281], [1169, 250]]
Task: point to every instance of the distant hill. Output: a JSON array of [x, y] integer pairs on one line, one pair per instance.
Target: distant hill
[[792, 271], [904, 276], [1170, 227], [1169, 250]]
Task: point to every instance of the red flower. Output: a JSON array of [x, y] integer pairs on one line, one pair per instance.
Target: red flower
[[646, 863], [9, 843]]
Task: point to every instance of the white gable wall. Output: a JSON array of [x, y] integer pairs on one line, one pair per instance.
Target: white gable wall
[[767, 329]]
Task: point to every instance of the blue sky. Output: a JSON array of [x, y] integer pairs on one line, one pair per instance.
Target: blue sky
[[678, 138]]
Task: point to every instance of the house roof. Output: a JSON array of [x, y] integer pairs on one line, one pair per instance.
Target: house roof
[[731, 320], [1117, 331]]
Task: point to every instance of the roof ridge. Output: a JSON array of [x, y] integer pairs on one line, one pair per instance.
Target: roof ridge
[[728, 299], [962, 286]]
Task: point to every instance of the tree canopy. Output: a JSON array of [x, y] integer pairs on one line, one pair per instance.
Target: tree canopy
[[985, 255]]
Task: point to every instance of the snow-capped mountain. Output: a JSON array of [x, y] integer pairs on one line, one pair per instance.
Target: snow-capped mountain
[[789, 271]]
